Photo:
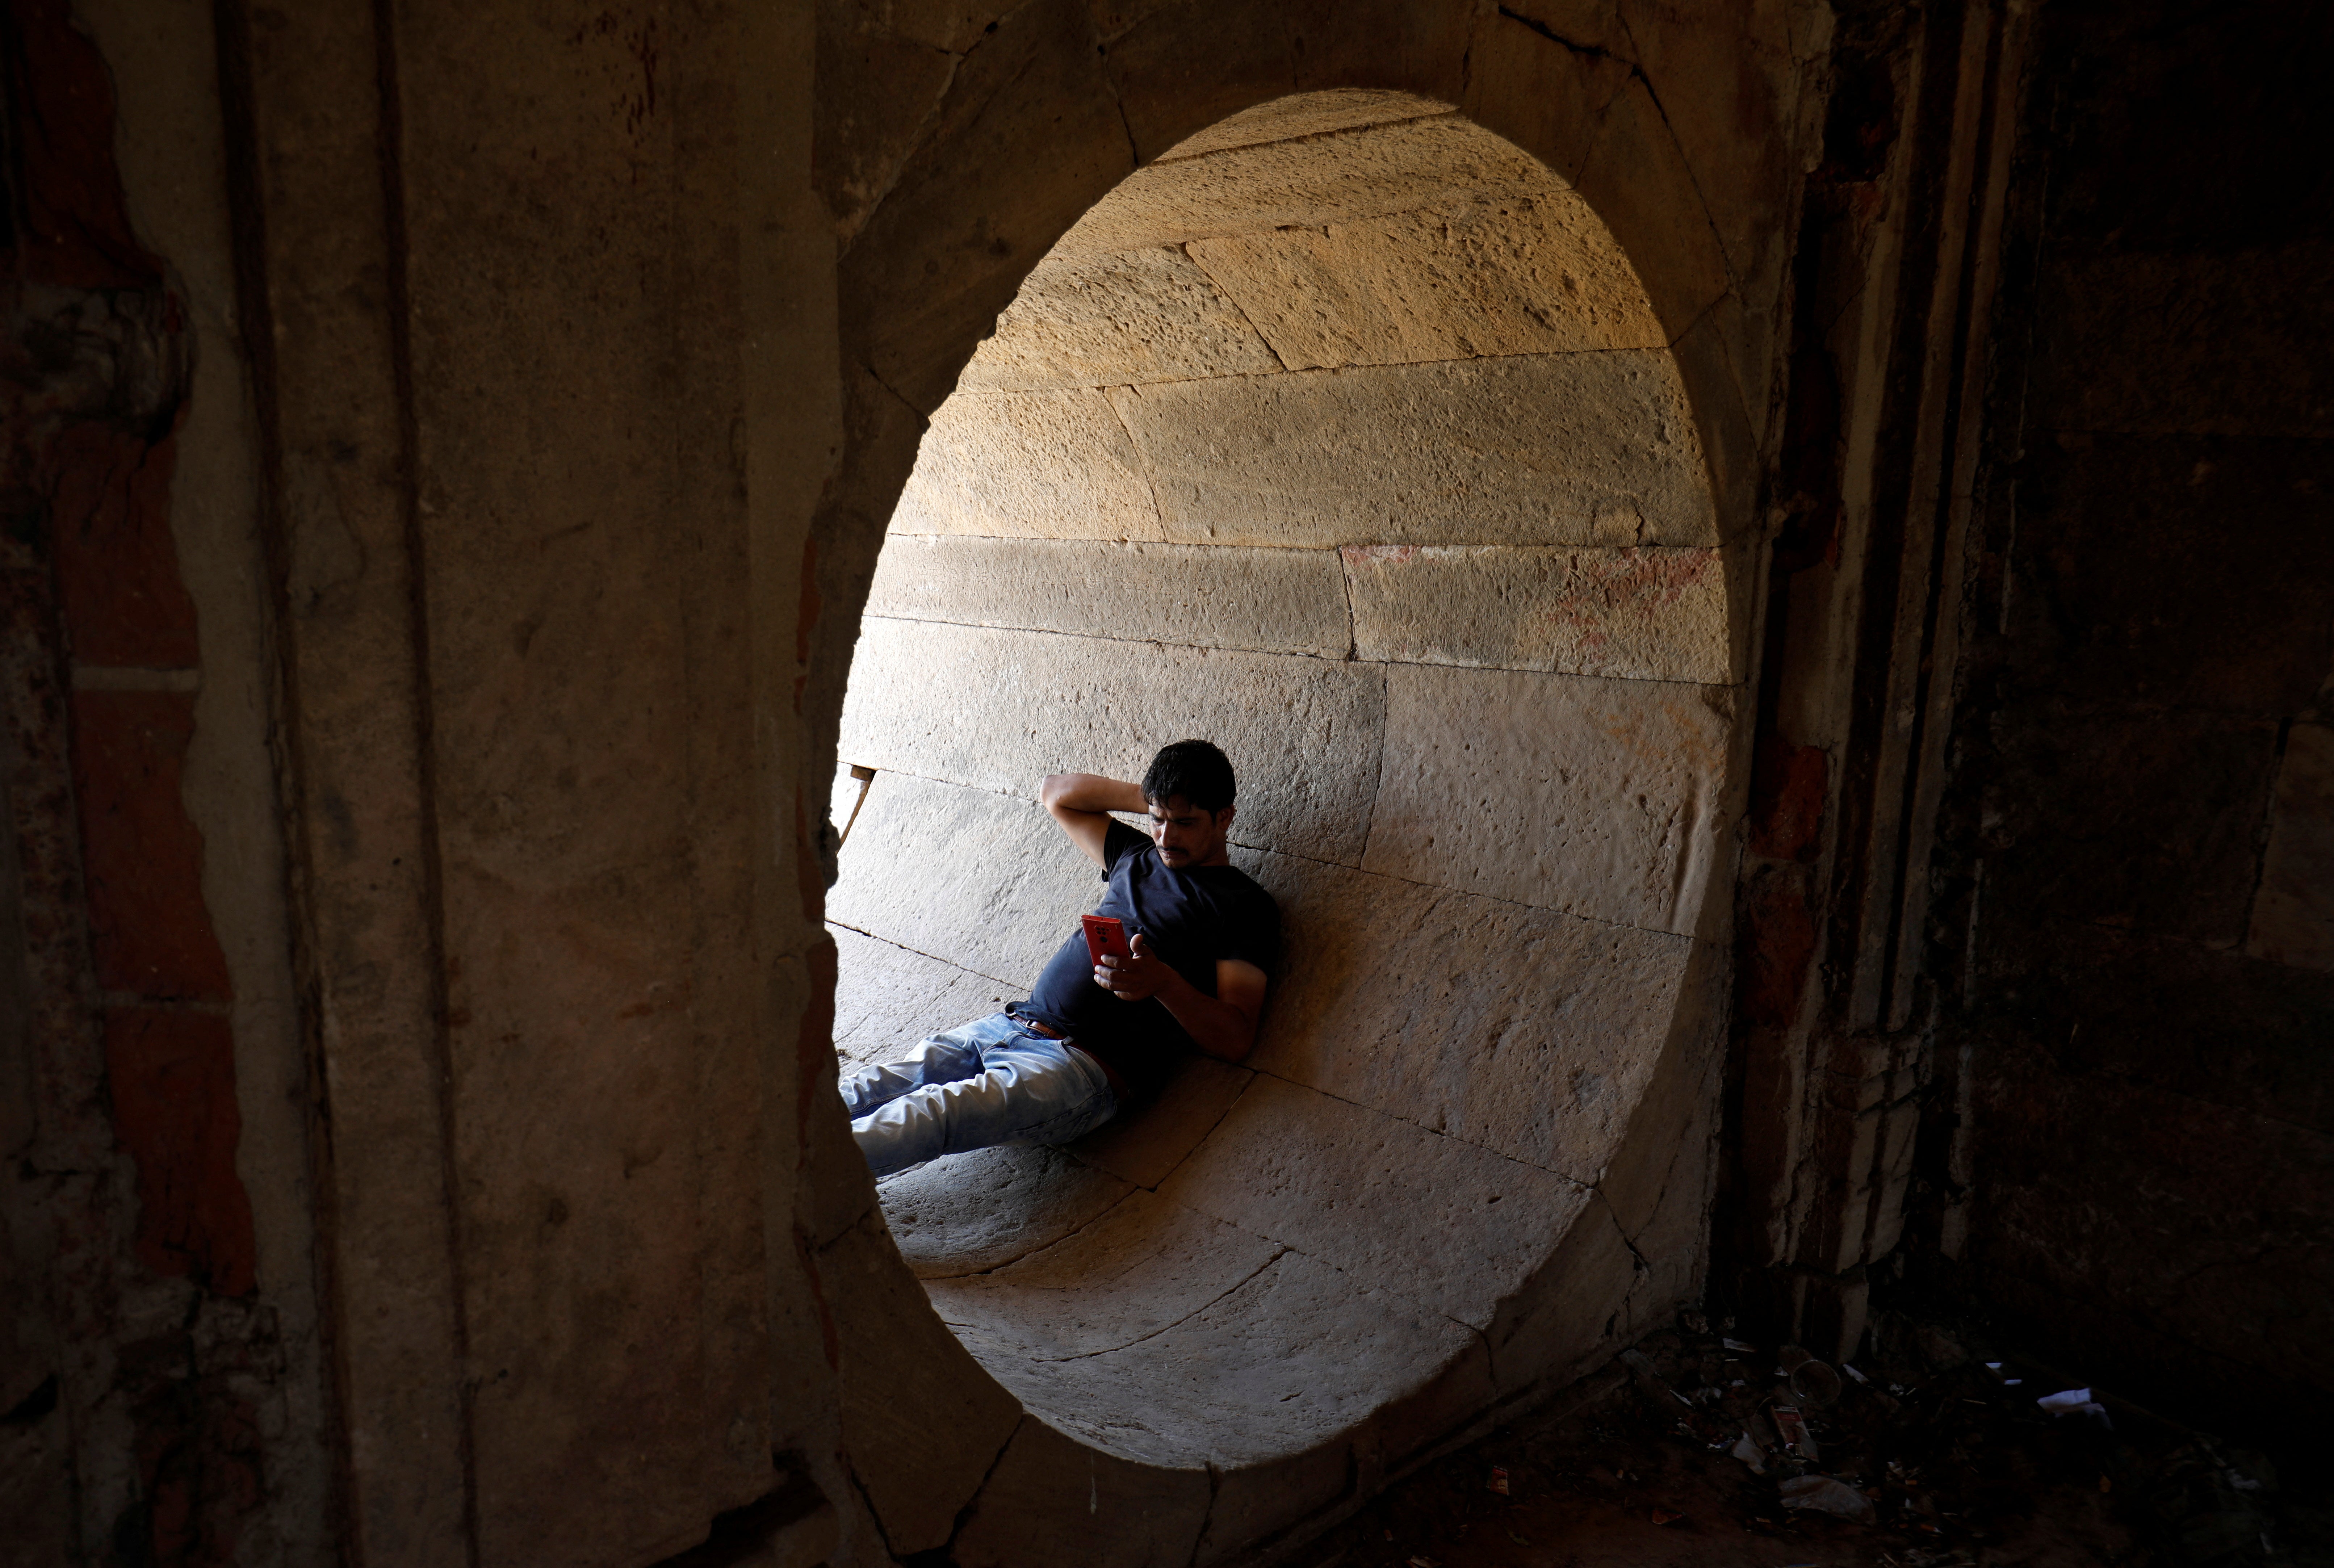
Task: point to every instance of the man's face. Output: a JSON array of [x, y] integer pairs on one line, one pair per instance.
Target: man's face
[[1186, 836]]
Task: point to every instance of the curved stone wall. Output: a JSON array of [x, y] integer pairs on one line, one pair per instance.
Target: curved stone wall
[[1343, 434]]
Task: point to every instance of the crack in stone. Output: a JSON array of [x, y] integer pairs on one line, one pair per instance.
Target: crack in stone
[[1233, 300], [1318, 136], [1264, 653], [1077, 1230], [964, 1515], [919, 952]]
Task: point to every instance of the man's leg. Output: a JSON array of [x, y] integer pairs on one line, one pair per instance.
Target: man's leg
[[937, 1059], [1029, 1090]]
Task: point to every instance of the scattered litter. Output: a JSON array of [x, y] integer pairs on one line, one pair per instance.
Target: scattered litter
[[1994, 1366], [1815, 1383], [1498, 1482], [1748, 1451], [1738, 1346], [1861, 1379], [1794, 1432], [2076, 1402], [1664, 1516], [2012, 1383], [1422, 1562], [1824, 1494]]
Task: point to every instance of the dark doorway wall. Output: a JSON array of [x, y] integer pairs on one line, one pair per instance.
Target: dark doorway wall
[[2139, 860]]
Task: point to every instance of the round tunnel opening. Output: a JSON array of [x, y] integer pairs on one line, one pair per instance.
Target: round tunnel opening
[[1344, 435]]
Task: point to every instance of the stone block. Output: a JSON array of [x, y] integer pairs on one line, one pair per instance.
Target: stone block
[[1547, 98], [1639, 183], [1708, 364], [2142, 820], [2163, 1012], [1382, 43], [1531, 450], [967, 1213], [1602, 798], [2185, 343], [1727, 95], [1523, 275], [960, 874], [920, 1444], [1108, 319], [1029, 466], [945, 249], [877, 90], [1523, 1031], [1303, 733], [887, 997], [1654, 614], [1144, 1145], [1295, 1356], [1568, 1318], [1280, 1497], [1450, 1226], [1055, 1499], [1148, 46], [1337, 178], [1263, 600], [2193, 620], [2293, 909], [1137, 1266], [1299, 115]]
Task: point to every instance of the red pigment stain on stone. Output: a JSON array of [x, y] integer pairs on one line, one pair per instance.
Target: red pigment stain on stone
[[150, 931], [117, 565], [1780, 943], [1598, 588], [170, 1072], [1786, 798], [201, 1476], [76, 225]]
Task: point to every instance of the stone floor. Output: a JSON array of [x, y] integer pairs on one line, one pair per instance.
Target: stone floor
[[1963, 1471]]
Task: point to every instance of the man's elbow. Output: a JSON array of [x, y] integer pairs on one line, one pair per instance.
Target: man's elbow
[[1051, 788]]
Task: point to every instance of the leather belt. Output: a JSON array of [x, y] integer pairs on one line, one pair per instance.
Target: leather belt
[[1117, 1084]]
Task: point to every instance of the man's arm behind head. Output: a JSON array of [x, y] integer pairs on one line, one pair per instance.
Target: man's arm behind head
[[1082, 803]]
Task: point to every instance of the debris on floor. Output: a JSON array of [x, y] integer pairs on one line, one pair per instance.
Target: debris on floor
[[1699, 1448]]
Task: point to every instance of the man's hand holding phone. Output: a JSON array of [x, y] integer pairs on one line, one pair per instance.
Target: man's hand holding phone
[[1128, 970]]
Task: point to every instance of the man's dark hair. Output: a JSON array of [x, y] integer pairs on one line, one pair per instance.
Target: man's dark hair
[[1193, 769]]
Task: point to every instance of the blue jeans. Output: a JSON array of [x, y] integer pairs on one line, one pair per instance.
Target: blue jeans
[[992, 1081]]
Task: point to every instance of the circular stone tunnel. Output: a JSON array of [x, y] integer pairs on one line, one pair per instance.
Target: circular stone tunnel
[[1346, 436]]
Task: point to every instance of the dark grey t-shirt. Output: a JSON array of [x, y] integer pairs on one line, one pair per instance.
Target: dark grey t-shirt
[[1191, 918]]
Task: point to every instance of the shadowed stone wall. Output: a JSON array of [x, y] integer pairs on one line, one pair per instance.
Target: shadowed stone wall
[[2138, 1158]]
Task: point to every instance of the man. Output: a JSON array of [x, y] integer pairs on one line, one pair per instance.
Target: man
[[1095, 1038]]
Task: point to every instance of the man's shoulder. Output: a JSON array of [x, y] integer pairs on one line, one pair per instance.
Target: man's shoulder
[[1243, 892]]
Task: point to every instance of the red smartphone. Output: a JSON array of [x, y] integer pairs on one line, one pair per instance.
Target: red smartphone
[[1105, 934]]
